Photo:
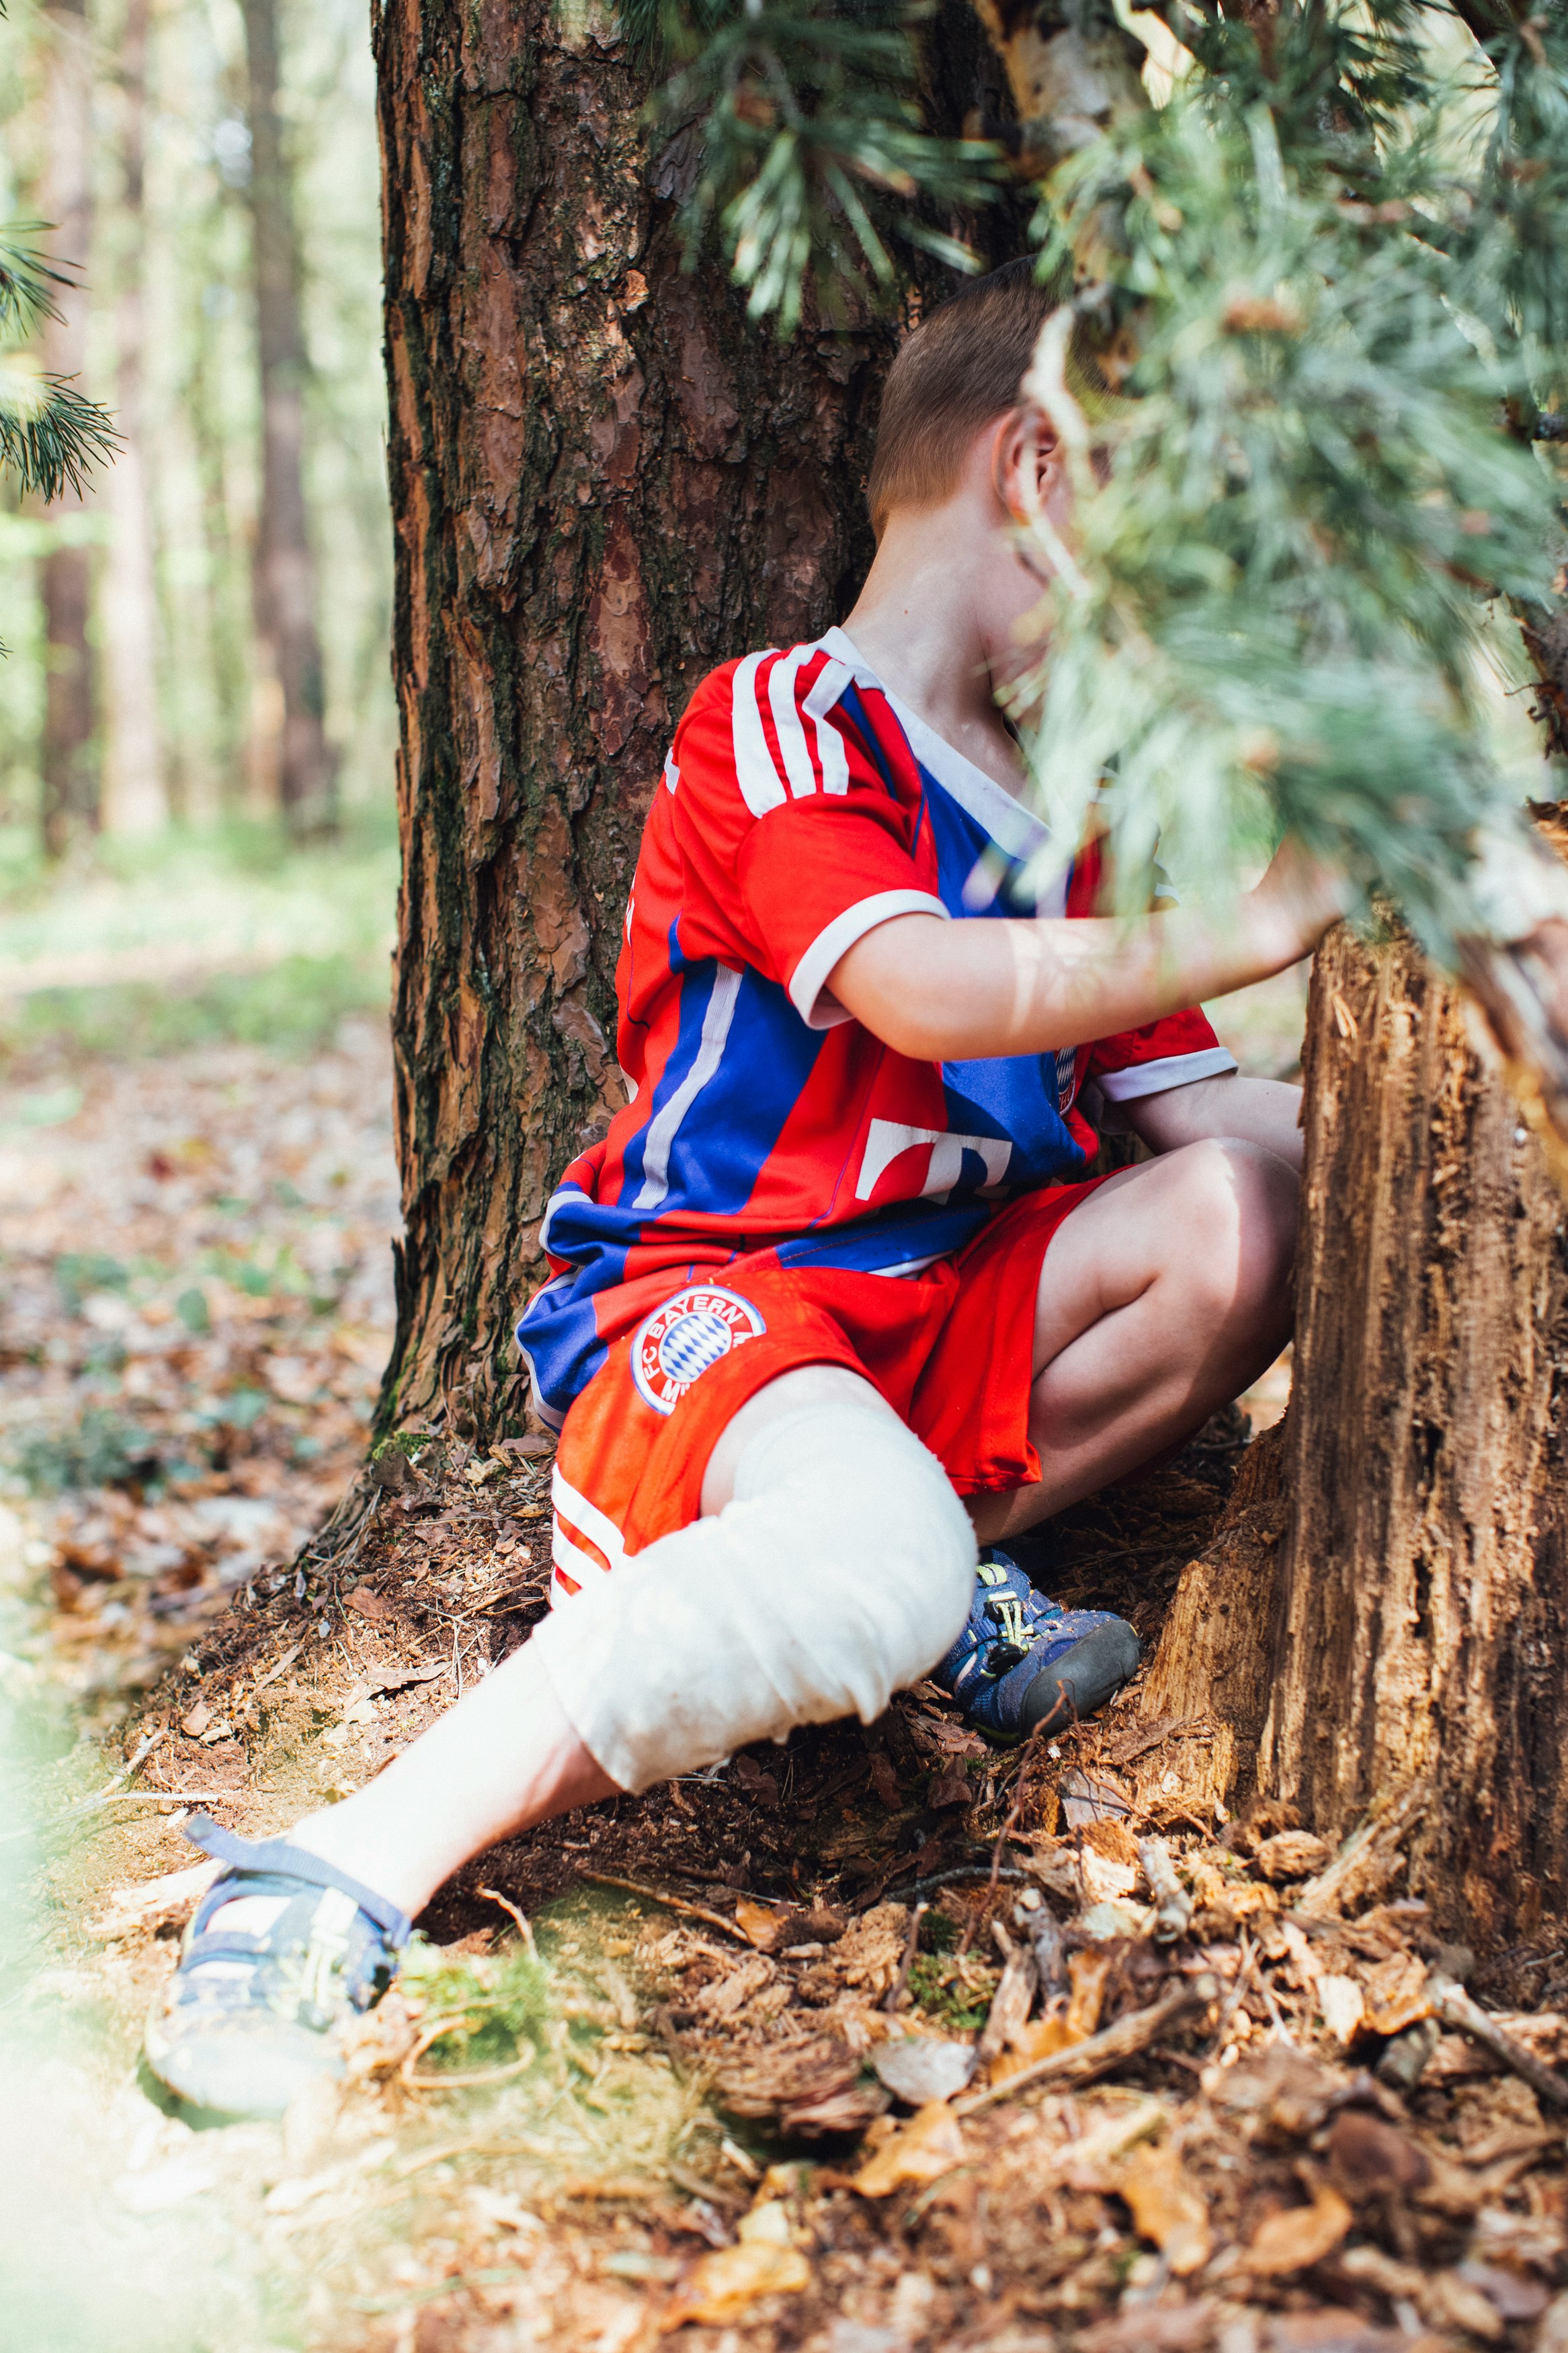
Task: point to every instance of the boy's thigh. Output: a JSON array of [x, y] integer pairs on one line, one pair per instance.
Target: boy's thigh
[[1192, 1217]]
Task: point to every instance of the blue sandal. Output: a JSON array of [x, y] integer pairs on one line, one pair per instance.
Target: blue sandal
[[282, 1948]]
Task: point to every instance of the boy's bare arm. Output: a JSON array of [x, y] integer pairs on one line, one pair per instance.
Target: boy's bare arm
[[1256, 1110], [959, 991]]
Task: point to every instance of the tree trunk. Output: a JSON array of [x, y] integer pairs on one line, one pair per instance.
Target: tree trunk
[[604, 481], [134, 796], [1405, 1653], [69, 751], [285, 585]]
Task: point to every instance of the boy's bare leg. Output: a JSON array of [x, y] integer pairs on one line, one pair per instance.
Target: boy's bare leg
[[1160, 1298], [505, 1757]]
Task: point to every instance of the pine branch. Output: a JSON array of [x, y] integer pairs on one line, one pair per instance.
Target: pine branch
[[814, 165], [26, 280], [55, 441]]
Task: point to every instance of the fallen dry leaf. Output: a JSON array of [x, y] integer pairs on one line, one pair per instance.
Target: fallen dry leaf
[[1042, 2039], [1168, 2207], [1151, 2328], [1083, 2163], [1285, 2092], [369, 1604], [1292, 1854], [924, 2067], [1340, 2006], [760, 1923], [1301, 2235], [1397, 1994], [1371, 2159], [930, 2145], [730, 2279]]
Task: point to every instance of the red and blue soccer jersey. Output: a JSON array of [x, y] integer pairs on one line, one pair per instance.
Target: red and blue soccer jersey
[[802, 805]]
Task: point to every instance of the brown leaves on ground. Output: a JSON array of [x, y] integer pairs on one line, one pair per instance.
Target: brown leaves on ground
[[197, 1310], [1290, 2160]]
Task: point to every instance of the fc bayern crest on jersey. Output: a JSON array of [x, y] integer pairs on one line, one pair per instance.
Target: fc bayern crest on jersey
[[681, 1339]]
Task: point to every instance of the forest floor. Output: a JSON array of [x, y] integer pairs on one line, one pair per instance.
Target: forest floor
[[884, 2039]]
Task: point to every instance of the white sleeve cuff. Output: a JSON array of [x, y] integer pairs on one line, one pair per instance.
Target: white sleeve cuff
[[808, 982], [1158, 1077]]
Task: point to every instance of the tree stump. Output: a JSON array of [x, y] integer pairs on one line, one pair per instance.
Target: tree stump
[[1408, 1626]]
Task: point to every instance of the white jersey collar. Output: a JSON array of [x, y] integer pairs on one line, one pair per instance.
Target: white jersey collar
[[1012, 827]]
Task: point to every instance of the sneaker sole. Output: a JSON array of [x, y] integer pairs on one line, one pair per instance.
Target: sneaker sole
[[237, 2066], [1082, 1679]]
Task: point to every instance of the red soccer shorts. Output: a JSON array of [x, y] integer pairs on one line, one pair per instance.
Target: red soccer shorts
[[951, 1348]]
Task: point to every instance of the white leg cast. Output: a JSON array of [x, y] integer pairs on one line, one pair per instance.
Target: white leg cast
[[840, 1573]]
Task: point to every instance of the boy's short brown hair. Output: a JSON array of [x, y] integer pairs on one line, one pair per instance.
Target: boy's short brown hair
[[963, 365]]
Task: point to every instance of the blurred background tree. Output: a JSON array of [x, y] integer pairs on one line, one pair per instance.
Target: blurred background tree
[[201, 636]]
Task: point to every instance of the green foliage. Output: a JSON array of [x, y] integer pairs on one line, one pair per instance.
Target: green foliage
[[497, 2003], [51, 435], [812, 155], [1288, 529], [1285, 534]]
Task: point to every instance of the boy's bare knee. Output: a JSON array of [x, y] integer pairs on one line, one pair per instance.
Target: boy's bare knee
[[1235, 1231]]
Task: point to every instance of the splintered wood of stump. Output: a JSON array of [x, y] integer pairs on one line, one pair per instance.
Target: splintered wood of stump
[[1407, 1633]]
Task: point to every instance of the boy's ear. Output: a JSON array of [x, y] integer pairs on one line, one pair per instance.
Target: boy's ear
[[1024, 462]]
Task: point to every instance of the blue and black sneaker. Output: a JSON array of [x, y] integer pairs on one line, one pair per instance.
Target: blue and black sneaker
[[1022, 1660], [283, 1949]]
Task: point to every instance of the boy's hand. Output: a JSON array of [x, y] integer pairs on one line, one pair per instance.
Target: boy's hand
[[1301, 898]]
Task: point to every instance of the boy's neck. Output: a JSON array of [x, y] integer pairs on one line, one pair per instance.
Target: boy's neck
[[923, 621]]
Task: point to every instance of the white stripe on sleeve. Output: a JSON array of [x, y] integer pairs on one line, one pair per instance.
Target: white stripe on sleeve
[[761, 787], [587, 1519], [834, 760], [809, 979], [783, 682], [1170, 1070]]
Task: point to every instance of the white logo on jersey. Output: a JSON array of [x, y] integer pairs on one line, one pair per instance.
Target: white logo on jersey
[[677, 1344], [887, 1138]]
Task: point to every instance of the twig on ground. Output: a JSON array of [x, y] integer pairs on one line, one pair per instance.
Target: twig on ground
[[1010, 1825], [919, 1887], [1123, 1752], [1234, 1998], [670, 1902], [525, 1925], [472, 2079], [111, 1791], [896, 1991], [284, 1663], [1172, 1905], [1455, 2008], [1080, 2064]]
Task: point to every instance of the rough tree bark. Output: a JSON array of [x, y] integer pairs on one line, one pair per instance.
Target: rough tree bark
[[134, 796], [1396, 1639], [285, 583], [604, 481], [69, 750]]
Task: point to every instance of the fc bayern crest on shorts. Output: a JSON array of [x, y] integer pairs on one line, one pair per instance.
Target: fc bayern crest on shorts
[[681, 1339]]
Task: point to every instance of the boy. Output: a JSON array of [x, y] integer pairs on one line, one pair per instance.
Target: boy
[[836, 1265]]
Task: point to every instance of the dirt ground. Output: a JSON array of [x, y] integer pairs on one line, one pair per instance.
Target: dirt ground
[[882, 2040]]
